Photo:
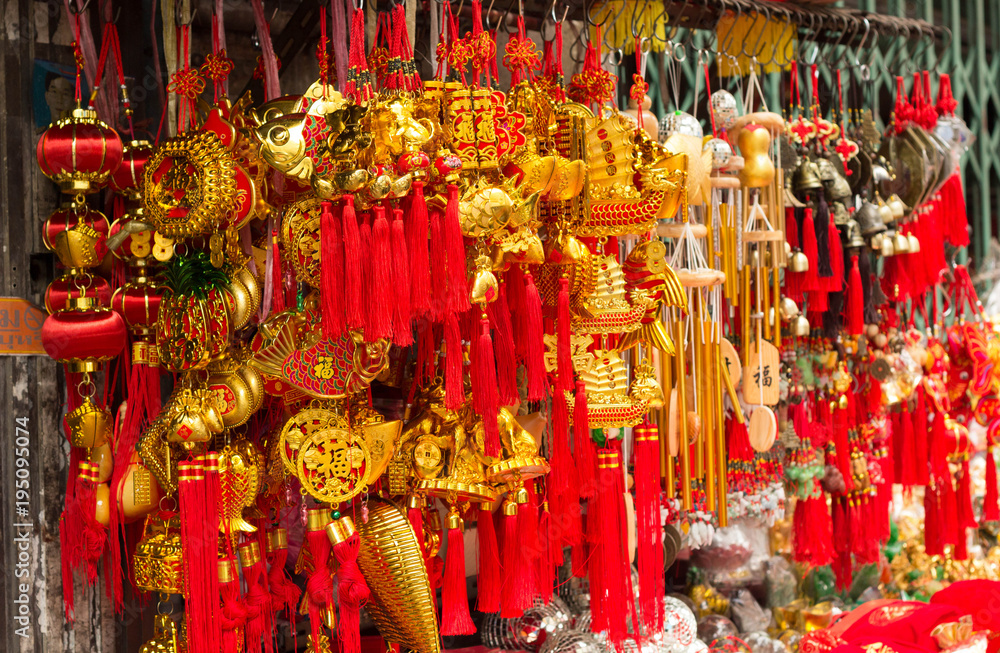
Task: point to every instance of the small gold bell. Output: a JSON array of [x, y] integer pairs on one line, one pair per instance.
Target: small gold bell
[[801, 326], [869, 218], [897, 207], [901, 243], [885, 213], [798, 263], [789, 309], [854, 238], [887, 248], [806, 177], [876, 242], [914, 244]]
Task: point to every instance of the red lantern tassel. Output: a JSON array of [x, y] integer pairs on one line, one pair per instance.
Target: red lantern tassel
[[402, 334], [967, 517], [527, 534], [836, 282], [352, 591], [609, 570], [513, 599], [920, 450], [561, 458], [565, 362], [954, 211], [810, 280], [932, 527], [534, 364], [454, 386], [855, 300], [455, 617], [649, 527], [506, 363], [200, 542], [438, 291], [415, 515], [278, 280], [260, 615], [458, 292], [484, 388], [545, 570], [353, 269], [584, 452], [513, 281], [380, 292], [417, 228], [319, 585], [991, 510], [233, 611], [842, 445], [331, 272], [284, 593], [908, 466], [488, 599]]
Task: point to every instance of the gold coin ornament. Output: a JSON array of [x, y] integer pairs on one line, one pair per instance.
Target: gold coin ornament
[[300, 427], [333, 465]]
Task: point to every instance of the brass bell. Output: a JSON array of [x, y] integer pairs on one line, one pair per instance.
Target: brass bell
[[788, 250], [801, 326], [887, 247], [901, 243], [840, 214], [854, 237], [914, 244], [798, 262], [834, 183], [896, 206], [806, 177], [885, 213], [876, 242], [869, 219], [789, 309]]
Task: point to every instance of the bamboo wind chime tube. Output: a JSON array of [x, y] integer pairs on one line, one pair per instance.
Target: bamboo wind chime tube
[[696, 369], [666, 459], [764, 292], [745, 309], [776, 301], [707, 403], [682, 435], [720, 440]]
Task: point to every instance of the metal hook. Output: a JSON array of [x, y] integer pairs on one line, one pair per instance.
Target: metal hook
[[77, 10], [760, 34], [786, 23], [832, 51], [868, 27], [901, 48], [798, 48], [944, 50], [730, 34]]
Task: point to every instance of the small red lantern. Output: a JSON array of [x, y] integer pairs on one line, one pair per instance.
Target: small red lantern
[[127, 180], [79, 153], [83, 335], [138, 302], [71, 286]]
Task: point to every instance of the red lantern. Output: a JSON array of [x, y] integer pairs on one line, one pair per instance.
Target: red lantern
[[79, 153], [83, 335], [127, 180], [72, 286], [78, 235], [138, 303]]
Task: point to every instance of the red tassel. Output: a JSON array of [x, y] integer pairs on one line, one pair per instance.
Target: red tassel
[[609, 570], [855, 300], [417, 228], [952, 529], [284, 593], [415, 515], [953, 210], [319, 585], [906, 455], [841, 427], [506, 361], [932, 527], [402, 333], [545, 569], [380, 292], [454, 385], [584, 454], [565, 362], [920, 451], [352, 591], [528, 534], [353, 269], [967, 517], [233, 612], [991, 509], [331, 273], [455, 617], [458, 292], [484, 388], [649, 526], [278, 277], [810, 248], [534, 364], [259, 623], [488, 599], [836, 282], [513, 281], [560, 456], [199, 541], [439, 290], [516, 596]]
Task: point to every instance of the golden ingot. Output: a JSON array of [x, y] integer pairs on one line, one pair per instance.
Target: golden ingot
[[195, 418], [89, 425], [164, 636], [758, 170], [401, 605], [485, 287], [76, 247], [157, 565]]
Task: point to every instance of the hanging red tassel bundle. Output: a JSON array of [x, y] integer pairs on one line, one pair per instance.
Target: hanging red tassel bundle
[[513, 281], [649, 526], [907, 458], [793, 280], [953, 209], [331, 272], [284, 593], [966, 515], [564, 370], [415, 515], [511, 602], [560, 457], [812, 531], [200, 543], [855, 305], [921, 453], [810, 280], [402, 334], [438, 257], [417, 228], [932, 527], [454, 386], [609, 570], [381, 297], [534, 364], [352, 591], [545, 571], [836, 282], [319, 585], [527, 535], [458, 291], [841, 428], [584, 452], [353, 269], [488, 599], [232, 612], [506, 360], [455, 617], [991, 509], [484, 388], [278, 276], [260, 615]]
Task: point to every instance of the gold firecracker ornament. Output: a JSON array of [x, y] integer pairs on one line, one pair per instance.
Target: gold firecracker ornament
[[402, 604]]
